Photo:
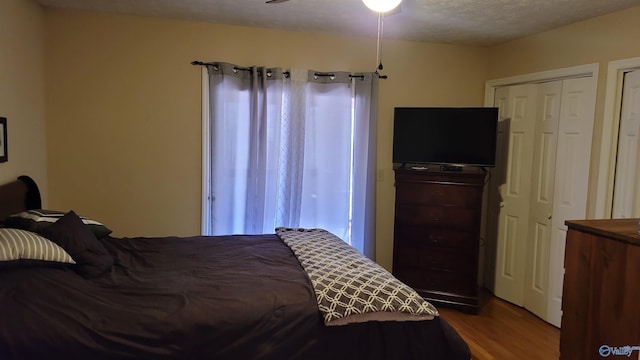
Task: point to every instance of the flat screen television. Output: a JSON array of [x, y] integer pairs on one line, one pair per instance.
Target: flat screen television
[[457, 136]]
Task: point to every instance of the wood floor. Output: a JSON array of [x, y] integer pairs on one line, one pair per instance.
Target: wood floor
[[504, 331]]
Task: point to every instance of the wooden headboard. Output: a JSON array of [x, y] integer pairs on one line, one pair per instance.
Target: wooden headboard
[[19, 195]]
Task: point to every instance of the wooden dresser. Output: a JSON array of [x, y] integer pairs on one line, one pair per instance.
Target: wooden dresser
[[437, 234], [601, 293]]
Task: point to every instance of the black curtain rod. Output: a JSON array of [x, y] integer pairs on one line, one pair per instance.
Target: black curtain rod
[[286, 73]]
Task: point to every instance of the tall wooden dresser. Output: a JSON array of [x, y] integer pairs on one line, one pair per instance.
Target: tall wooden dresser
[[437, 234], [601, 291]]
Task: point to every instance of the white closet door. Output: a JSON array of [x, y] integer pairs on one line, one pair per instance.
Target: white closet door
[[542, 192], [542, 181], [518, 117], [626, 196], [572, 179]]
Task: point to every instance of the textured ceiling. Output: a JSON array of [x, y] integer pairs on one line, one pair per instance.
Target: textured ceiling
[[468, 22]]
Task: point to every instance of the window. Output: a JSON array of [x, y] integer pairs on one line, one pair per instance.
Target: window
[[291, 151]]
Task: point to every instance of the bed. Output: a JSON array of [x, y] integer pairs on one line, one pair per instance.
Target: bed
[[96, 296]]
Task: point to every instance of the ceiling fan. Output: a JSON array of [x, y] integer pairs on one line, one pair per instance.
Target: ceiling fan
[[379, 6]]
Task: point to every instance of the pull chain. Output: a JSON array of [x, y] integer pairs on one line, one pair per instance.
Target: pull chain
[[379, 47]]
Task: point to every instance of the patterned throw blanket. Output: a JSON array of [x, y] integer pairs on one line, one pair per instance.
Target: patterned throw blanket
[[348, 286]]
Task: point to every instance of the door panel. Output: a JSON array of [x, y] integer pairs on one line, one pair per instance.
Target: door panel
[[542, 195], [519, 111], [497, 176], [571, 180], [626, 196]]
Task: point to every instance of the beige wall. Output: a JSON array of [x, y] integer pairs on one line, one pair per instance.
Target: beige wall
[[123, 103], [599, 40], [123, 108], [22, 90]]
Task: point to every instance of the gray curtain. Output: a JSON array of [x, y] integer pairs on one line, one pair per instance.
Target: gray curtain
[[291, 148]]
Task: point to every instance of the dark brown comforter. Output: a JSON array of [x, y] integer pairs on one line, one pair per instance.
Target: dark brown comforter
[[233, 297]]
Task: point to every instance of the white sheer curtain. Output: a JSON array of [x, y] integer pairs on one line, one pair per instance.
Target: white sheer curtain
[[293, 149]]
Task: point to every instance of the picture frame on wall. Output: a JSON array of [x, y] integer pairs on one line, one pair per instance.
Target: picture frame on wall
[[3, 140]]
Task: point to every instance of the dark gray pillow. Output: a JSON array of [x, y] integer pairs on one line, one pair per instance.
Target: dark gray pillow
[[38, 219], [91, 257]]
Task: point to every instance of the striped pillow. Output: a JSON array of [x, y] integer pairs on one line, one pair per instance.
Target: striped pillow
[[38, 220], [16, 244]]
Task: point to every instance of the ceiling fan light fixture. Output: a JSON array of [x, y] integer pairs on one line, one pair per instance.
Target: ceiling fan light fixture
[[382, 6]]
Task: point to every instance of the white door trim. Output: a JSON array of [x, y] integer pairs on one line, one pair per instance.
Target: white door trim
[[610, 127]]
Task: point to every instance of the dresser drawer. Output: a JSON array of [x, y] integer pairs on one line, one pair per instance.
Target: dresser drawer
[[440, 281], [421, 237], [427, 215], [435, 258], [438, 194]]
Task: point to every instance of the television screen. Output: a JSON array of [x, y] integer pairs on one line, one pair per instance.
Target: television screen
[[445, 135]]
